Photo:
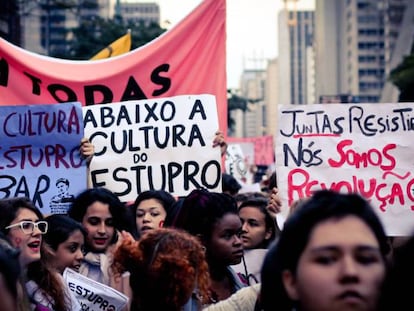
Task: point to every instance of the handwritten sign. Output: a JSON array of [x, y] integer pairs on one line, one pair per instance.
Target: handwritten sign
[[39, 154], [190, 58], [155, 144], [363, 148], [92, 295], [239, 160]]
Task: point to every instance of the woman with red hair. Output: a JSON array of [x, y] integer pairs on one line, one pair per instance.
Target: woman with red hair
[[168, 270]]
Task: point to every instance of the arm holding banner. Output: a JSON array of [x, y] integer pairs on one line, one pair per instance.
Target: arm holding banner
[[87, 150], [219, 140], [275, 202], [274, 207]]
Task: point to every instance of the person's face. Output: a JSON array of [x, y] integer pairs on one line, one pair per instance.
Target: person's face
[[69, 254], [341, 268], [225, 245], [150, 215], [254, 230], [99, 225], [62, 187], [28, 243]]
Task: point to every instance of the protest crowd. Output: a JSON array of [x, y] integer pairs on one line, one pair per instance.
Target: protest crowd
[[207, 250], [122, 203]]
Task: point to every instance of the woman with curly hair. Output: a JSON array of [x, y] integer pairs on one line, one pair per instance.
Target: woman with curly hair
[[167, 267]]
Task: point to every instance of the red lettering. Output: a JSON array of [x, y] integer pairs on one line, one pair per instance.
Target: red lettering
[[409, 191], [301, 185], [299, 188], [342, 154], [385, 150], [373, 157]]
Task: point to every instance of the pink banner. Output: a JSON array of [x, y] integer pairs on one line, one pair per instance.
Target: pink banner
[[188, 59], [264, 153]]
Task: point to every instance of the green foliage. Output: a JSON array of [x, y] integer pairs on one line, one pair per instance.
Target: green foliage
[[95, 34], [403, 77], [234, 102]]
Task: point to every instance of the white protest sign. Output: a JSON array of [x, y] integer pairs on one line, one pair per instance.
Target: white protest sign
[[365, 148], [92, 295], [235, 163], [163, 143]]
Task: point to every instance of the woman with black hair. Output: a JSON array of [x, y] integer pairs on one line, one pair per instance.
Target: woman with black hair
[[213, 218], [103, 216], [150, 210], [330, 255], [258, 232]]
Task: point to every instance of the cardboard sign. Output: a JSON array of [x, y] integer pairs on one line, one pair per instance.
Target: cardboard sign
[[39, 154], [239, 160], [155, 144], [364, 148]]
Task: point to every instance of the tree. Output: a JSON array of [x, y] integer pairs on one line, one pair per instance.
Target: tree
[[92, 34], [234, 102], [403, 77], [96, 33]]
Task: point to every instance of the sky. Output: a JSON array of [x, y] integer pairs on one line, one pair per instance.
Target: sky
[[251, 30]]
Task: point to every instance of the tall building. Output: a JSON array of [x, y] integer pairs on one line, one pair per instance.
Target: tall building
[[46, 24], [10, 21], [354, 44], [296, 31], [271, 97], [251, 122], [402, 47], [147, 12]]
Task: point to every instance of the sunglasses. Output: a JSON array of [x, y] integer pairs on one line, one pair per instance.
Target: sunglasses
[[28, 227]]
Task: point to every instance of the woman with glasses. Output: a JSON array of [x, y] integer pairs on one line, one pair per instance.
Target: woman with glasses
[[23, 224], [62, 248]]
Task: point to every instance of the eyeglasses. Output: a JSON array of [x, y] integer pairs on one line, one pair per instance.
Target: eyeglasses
[[29, 226]]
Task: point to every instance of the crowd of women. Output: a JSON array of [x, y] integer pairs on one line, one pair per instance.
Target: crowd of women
[[205, 251]]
